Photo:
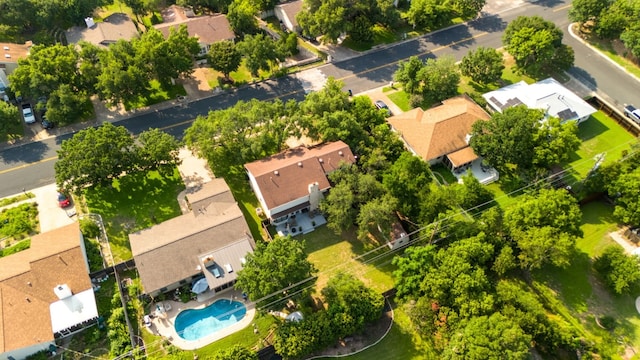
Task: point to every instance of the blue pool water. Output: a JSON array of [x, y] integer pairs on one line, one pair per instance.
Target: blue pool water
[[196, 324]]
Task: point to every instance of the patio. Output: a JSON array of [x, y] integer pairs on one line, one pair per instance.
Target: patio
[[300, 223], [165, 313], [485, 175]]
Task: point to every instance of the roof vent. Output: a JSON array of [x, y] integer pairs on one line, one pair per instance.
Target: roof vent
[[340, 152], [6, 48], [62, 291], [299, 164], [320, 160], [29, 283], [276, 172], [7, 56]]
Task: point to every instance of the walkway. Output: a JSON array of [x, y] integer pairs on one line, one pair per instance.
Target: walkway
[[627, 245]]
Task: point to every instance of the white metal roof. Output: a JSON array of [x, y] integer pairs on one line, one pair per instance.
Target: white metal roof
[[73, 310]]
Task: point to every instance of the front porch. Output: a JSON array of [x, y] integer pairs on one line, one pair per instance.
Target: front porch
[[301, 223]]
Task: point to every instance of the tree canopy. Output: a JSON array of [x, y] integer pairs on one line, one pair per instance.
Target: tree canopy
[[275, 269], [9, 116], [621, 272], [536, 45], [520, 137], [483, 65], [224, 57]]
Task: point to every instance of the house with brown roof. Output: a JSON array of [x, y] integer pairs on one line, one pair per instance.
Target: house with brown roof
[[287, 12], [441, 134], [11, 53], [45, 292], [207, 28], [104, 33], [294, 181], [210, 241]]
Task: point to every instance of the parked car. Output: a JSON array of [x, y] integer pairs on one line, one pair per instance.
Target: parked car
[[381, 105], [27, 112], [46, 124], [63, 199], [632, 113]]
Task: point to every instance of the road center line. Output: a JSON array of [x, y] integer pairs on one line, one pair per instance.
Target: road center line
[[27, 165], [562, 8]]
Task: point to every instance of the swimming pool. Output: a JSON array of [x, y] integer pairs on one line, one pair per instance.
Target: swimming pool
[[196, 324]]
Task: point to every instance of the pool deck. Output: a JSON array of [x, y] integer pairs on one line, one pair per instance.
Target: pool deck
[[163, 324]]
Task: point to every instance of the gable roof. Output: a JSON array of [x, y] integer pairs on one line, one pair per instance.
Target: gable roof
[[207, 28], [440, 130], [170, 251], [27, 280], [291, 10], [547, 94], [285, 177], [11, 52], [113, 28]]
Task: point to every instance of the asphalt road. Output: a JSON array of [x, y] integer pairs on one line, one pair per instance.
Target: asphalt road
[[31, 165]]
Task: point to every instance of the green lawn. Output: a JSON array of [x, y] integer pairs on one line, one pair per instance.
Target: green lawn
[[442, 173], [401, 99], [331, 253], [156, 94], [599, 134], [134, 202]]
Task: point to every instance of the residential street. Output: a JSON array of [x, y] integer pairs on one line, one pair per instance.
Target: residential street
[[31, 165]]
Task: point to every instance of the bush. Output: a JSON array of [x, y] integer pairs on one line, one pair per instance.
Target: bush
[[19, 221], [620, 272], [89, 228], [22, 245]]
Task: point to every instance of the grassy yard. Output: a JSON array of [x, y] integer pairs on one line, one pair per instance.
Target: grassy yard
[[331, 253], [134, 202], [443, 174], [156, 94], [600, 135], [401, 99]]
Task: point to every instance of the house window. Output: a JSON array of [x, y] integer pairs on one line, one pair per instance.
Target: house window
[[163, 289], [281, 219]]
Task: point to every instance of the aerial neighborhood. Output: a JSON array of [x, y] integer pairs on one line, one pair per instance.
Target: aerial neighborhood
[[237, 179]]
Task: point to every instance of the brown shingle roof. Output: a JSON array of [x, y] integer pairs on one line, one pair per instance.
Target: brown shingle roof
[[440, 130], [285, 177], [27, 280], [11, 53], [208, 29], [169, 252], [113, 28], [462, 156]]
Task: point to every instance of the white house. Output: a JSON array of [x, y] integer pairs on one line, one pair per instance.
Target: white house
[[548, 95], [294, 181], [287, 12]]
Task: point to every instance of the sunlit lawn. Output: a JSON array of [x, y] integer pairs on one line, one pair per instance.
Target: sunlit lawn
[[134, 202], [331, 253], [156, 94], [600, 135], [401, 99]]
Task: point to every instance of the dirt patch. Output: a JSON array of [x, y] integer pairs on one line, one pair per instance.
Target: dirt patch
[[371, 334]]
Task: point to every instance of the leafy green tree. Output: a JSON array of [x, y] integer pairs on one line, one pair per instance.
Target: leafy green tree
[[407, 75], [89, 66], [544, 245], [620, 271], [174, 56], [631, 39], [626, 192], [483, 65], [236, 352], [124, 75], [260, 53], [489, 337], [440, 78], [224, 57], [377, 218], [275, 269], [588, 10], [243, 133], [427, 14], [157, 150], [294, 339], [614, 20], [411, 268], [517, 136], [468, 8], [9, 117], [408, 180], [473, 193], [66, 105], [94, 156], [351, 304], [536, 45], [44, 70], [361, 30], [242, 17], [326, 18]]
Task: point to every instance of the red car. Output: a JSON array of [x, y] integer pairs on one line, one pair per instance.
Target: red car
[[63, 200]]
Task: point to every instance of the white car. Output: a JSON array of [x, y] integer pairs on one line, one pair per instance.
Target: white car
[[27, 112], [632, 113]]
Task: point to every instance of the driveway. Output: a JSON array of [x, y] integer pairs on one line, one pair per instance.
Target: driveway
[[50, 215]]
